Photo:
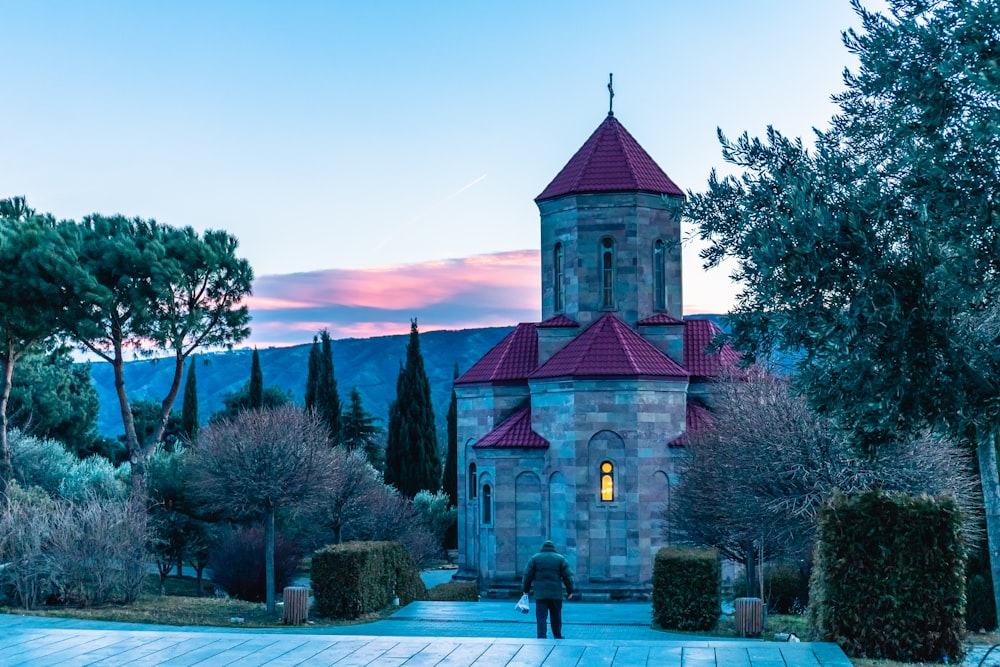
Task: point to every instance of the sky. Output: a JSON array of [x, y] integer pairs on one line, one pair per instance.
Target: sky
[[378, 160]]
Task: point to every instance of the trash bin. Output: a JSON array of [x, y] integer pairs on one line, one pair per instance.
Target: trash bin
[[749, 616]]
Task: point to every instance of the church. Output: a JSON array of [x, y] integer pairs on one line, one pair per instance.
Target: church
[[571, 429]]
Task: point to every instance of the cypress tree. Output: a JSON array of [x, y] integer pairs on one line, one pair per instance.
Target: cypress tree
[[450, 482], [256, 383], [416, 464], [189, 409], [327, 398], [312, 377]]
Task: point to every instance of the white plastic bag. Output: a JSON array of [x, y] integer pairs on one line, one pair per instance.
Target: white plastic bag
[[522, 604]]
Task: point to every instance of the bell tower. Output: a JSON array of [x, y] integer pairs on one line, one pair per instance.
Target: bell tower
[[610, 234]]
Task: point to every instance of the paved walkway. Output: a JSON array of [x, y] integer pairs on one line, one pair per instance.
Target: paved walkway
[[459, 634]]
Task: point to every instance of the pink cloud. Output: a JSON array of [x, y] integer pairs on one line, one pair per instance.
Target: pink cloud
[[403, 286], [485, 290]]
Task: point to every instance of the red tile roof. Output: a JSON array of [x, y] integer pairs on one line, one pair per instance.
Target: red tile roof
[[515, 431], [698, 335], [559, 321], [611, 160], [696, 418], [513, 358], [660, 318], [609, 347]]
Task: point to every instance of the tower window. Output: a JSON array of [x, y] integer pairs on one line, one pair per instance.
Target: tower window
[[607, 273], [557, 264], [659, 276], [607, 481], [472, 480], [487, 504]]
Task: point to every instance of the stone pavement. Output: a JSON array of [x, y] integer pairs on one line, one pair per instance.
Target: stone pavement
[[459, 634]]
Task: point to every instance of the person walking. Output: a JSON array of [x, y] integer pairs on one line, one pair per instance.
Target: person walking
[[548, 571]]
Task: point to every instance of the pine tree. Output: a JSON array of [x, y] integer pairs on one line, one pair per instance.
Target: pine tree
[[256, 383], [312, 377], [412, 460], [189, 409], [327, 398], [360, 431]]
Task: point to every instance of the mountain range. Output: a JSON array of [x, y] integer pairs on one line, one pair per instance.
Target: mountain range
[[370, 364]]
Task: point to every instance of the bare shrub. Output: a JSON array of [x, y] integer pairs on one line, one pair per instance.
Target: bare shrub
[[25, 533], [754, 480], [85, 553], [96, 553], [393, 518], [262, 466]]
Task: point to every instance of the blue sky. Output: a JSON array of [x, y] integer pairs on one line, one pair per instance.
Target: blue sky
[[399, 143]]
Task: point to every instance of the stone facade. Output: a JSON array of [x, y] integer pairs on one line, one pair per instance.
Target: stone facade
[[570, 431]]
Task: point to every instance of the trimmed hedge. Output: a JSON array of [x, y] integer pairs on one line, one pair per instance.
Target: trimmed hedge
[[454, 591], [889, 577], [357, 578], [687, 585]]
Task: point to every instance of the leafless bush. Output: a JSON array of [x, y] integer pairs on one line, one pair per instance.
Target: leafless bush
[[756, 478], [85, 553], [25, 532], [97, 552], [392, 517]]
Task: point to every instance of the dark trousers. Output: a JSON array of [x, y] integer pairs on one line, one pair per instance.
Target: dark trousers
[[553, 610]]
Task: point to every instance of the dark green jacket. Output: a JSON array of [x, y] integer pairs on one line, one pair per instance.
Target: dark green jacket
[[548, 571]]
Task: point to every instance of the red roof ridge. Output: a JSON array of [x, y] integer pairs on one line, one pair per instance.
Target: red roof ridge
[[609, 348], [611, 160], [514, 431], [659, 318], [513, 358], [558, 321], [699, 335]]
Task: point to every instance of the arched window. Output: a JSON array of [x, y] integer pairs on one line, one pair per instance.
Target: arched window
[[487, 504], [607, 273], [607, 481], [558, 271], [659, 276], [472, 480]]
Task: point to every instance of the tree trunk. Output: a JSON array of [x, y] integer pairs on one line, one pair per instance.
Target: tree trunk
[[751, 561], [6, 465], [269, 558], [986, 450]]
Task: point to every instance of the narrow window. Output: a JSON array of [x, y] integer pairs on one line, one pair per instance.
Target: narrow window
[[607, 481], [472, 480], [659, 276], [557, 262], [487, 504], [608, 273]]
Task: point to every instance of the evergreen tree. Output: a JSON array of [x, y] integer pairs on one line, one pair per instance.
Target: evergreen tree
[[189, 408], [256, 383], [412, 460], [327, 398], [360, 432], [450, 482], [873, 257], [312, 376]]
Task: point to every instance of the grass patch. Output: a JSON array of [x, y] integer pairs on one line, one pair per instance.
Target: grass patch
[[180, 607], [775, 623]]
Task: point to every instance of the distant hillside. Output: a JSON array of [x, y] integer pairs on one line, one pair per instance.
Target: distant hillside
[[371, 364]]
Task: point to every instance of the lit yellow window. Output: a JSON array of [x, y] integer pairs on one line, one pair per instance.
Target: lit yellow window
[[607, 481]]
